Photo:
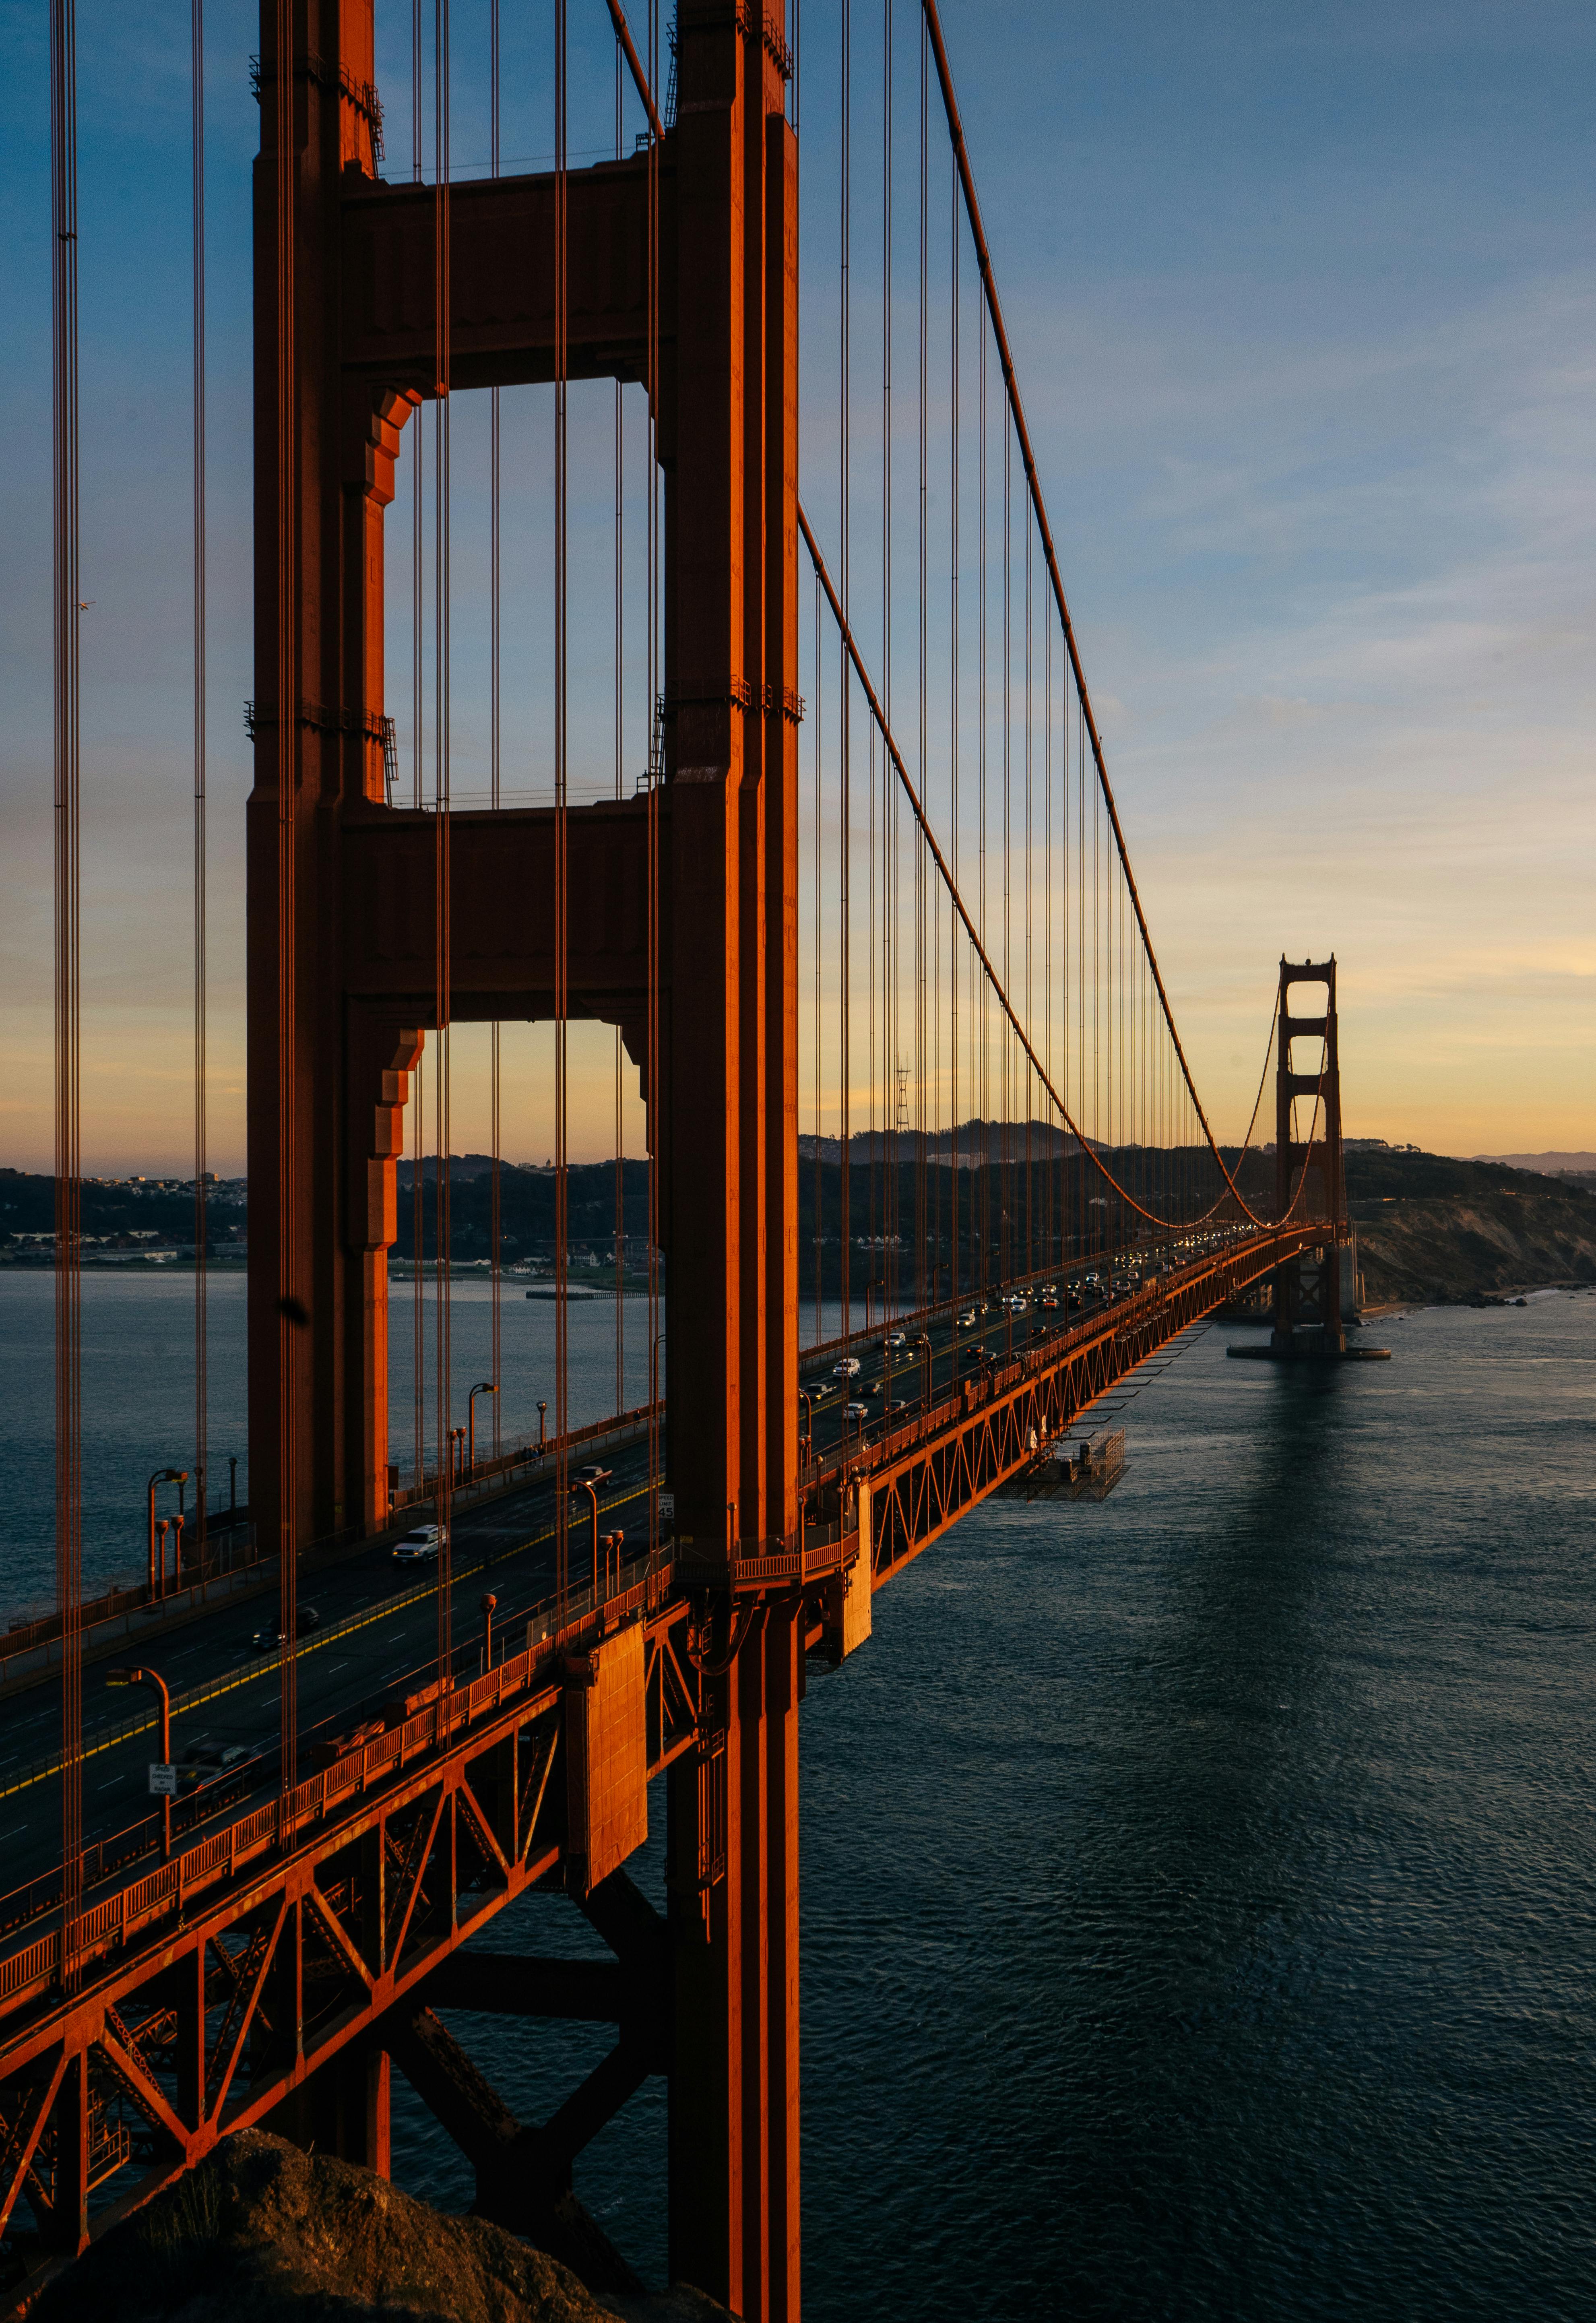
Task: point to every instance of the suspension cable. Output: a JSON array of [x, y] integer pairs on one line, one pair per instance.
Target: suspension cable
[[929, 836], [1033, 485]]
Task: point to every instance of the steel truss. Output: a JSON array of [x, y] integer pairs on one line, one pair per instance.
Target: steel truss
[[202, 1997], [319, 1930]]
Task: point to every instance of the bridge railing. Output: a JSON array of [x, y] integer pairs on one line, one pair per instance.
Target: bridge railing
[[641, 1585]]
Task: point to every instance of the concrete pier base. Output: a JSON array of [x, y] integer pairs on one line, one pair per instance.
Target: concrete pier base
[[1305, 1350]]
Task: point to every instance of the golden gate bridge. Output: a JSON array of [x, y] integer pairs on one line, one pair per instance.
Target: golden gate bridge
[[827, 842]]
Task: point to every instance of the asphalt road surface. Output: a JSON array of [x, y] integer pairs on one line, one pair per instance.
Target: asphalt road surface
[[389, 1613]]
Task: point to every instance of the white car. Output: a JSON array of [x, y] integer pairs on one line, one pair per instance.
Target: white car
[[856, 1411], [419, 1546], [848, 1368], [967, 1321], [893, 1339]]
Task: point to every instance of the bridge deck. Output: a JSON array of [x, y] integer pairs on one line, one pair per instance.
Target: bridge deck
[[163, 2021]]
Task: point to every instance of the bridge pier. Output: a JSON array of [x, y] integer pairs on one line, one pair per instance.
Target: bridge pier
[[344, 2107]]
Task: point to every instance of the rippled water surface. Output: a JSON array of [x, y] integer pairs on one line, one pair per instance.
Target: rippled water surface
[[1200, 1900], [1200, 1892]]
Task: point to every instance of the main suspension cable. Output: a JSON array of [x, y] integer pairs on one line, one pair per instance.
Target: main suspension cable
[[1033, 485], [856, 661]]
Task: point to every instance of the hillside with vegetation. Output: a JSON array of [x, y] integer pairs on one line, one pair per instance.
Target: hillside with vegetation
[[1441, 1232]]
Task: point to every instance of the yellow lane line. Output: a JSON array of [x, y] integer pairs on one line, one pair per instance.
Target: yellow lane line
[[247, 1674]]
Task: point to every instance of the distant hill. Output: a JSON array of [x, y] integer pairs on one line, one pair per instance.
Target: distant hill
[[1546, 1163]]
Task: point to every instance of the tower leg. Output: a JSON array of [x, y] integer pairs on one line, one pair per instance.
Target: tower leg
[[734, 2181]]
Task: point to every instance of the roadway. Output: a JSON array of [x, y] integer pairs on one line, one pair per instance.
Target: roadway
[[377, 1622], [904, 1367], [378, 1625]]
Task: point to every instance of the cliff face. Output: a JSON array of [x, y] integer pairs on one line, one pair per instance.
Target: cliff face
[[261, 2233], [1452, 1249]]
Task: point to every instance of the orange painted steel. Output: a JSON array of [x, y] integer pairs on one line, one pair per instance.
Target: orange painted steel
[[683, 906], [272, 1970], [177, 2032]]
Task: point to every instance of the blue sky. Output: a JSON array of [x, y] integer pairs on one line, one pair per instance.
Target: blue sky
[[1304, 311]]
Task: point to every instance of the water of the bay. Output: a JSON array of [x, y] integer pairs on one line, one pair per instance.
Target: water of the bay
[[1198, 1889]]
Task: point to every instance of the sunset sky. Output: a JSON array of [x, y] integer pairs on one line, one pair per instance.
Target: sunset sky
[[1303, 311]]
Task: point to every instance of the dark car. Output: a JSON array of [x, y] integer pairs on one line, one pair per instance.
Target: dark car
[[267, 1640]]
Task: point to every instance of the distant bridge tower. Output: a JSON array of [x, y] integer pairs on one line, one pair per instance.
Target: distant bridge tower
[[1318, 1289]]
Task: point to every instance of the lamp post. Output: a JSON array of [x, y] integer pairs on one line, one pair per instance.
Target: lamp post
[[163, 1525], [869, 1287], [161, 1476], [542, 1407], [177, 1526], [808, 1437], [482, 1387], [489, 1605], [592, 1490], [153, 1679]]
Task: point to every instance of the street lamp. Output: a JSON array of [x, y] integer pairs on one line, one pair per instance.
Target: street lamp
[[161, 1476], [482, 1387], [177, 1526], [869, 1287], [587, 1486], [153, 1679], [807, 1401], [542, 1407], [489, 1605]]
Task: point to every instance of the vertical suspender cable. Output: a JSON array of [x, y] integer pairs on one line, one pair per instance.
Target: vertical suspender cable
[[1005, 1092], [290, 1306], [441, 1090], [619, 754], [921, 1255], [986, 1079], [818, 838], [888, 1147], [1030, 1180], [201, 1222], [654, 727], [953, 927], [417, 717], [1049, 1171], [495, 1215], [844, 964], [68, 1159], [561, 924]]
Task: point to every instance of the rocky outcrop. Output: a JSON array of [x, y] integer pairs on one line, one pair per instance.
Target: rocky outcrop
[[1464, 1249], [263, 2233]]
